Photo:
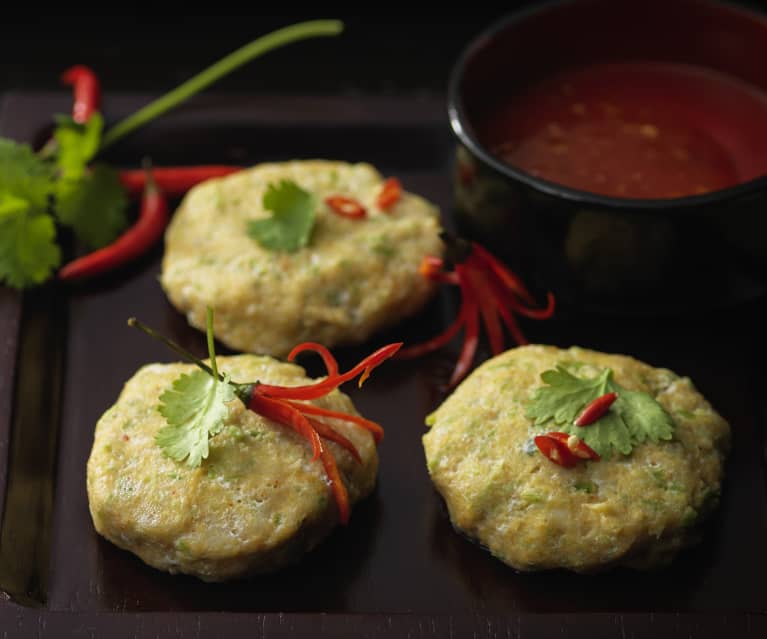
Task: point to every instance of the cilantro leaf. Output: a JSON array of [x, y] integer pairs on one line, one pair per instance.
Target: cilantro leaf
[[292, 221], [93, 204], [195, 408], [76, 144], [565, 396], [635, 417], [24, 175], [28, 250]]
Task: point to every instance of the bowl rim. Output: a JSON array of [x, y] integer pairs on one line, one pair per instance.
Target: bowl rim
[[461, 126]]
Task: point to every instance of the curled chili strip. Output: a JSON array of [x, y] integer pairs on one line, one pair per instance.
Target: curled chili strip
[[133, 243], [282, 404], [331, 382], [87, 91], [490, 292], [174, 181]]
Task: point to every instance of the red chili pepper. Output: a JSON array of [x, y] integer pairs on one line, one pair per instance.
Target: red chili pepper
[[596, 409], [331, 382], [488, 290], [286, 414], [280, 404], [87, 91], [174, 181], [391, 192], [132, 244], [345, 206], [576, 446], [564, 449], [555, 450]]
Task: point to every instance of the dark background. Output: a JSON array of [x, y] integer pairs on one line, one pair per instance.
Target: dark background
[[376, 55]]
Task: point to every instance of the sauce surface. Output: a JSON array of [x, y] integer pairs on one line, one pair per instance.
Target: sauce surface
[[634, 130]]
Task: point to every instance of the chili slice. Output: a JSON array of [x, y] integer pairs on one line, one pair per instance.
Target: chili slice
[[391, 192], [133, 243], [555, 451], [86, 89], [575, 445], [345, 206], [596, 409]]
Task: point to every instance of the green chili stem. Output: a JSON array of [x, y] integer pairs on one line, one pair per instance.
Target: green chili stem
[[134, 323], [260, 46], [209, 333]]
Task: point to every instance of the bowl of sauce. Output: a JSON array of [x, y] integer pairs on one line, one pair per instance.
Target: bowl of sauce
[[616, 152]]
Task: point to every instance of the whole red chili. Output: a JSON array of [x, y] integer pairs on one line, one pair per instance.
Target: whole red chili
[[391, 192], [174, 180], [87, 91], [345, 206], [596, 409], [132, 244]]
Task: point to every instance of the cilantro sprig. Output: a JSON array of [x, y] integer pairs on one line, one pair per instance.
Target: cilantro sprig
[[293, 216], [634, 418], [195, 409], [60, 187]]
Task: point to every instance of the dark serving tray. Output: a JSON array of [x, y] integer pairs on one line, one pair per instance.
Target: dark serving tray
[[398, 569]]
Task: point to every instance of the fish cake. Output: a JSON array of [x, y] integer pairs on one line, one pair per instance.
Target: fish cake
[[354, 277], [257, 503], [636, 510]]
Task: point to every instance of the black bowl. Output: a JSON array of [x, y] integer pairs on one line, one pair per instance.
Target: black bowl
[[595, 251]]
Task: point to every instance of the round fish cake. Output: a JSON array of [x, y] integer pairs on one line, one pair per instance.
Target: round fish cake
[[636, 510], [257, 503], [354, 277]]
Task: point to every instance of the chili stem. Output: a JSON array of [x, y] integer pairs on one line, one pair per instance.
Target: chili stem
[[243, 55], [134, 323]]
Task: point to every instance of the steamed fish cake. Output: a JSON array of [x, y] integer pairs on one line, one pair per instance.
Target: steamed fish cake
[[331, 279], [258, 502], [660, 449]]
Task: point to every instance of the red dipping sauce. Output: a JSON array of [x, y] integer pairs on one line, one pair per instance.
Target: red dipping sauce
[[634, 130]]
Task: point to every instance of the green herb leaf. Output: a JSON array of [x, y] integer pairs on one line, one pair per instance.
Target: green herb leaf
[[635, 417], [195, 408], [28, 251], [93, 204], [24, 175], [291, 224], [76, 144]]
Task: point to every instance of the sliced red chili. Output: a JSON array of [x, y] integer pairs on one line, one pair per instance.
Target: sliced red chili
[[327, 357], [132, 244], [555, 450], [336, 486], [174, 181], [323, 387], [596, 409], [86, 89], [311, 409], [575, 445], [284, 413], [346, 206], [328, 432], [391, 192]]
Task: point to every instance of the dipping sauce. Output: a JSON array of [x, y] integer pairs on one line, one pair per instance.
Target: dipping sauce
[[634, 130]]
